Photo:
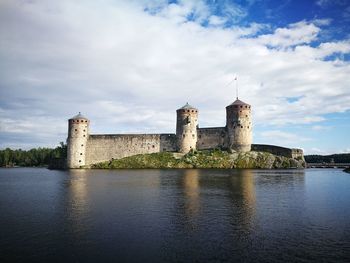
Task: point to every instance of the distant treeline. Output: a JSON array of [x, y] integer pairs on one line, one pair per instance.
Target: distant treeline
[[32, 157], [336, 158]]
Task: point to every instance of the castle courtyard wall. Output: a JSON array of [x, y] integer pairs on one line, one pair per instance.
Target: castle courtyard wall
[[105, 147], [209, 138], [102, 148]]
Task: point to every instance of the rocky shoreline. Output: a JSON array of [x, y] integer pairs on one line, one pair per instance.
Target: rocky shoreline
[[204, 159]]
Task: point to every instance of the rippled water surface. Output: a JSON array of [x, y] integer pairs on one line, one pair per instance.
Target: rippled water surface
[[174, 215]]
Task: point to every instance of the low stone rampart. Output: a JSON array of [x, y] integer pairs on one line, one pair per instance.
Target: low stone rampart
[[102, 148], [105, 147], [278, 150]]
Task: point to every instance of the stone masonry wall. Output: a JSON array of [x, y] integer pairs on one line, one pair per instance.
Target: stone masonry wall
[[298, 153], [105, 147], [239, 127], [277, 150], [209, 138], [78, 132], [186, 129]]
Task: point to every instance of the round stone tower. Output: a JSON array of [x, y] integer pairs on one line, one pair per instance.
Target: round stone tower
[[78, 133], [239, 126], [186, 128]]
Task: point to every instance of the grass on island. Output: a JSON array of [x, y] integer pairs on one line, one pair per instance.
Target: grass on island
[[202, 159], [215, 158]]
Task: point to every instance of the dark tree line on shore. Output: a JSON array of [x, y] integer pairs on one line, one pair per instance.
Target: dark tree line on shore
[[336, 158], [32, 157]]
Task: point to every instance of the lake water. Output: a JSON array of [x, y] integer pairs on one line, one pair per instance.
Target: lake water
[[174, 215]]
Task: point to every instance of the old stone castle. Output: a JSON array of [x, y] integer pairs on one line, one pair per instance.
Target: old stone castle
[[85, 149]]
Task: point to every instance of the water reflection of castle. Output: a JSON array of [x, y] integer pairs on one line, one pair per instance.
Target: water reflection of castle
[[231, 193], [185, 199]]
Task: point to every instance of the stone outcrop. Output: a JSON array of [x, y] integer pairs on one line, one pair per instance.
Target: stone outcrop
[[205, 159]]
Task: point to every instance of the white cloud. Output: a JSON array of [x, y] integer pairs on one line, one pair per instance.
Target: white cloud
[[323, 3], [298, 33], [234, 12], [328, 151], [129, 69], [327, 3], [282, 138], [217, 20], [320, 128], [184, 11]]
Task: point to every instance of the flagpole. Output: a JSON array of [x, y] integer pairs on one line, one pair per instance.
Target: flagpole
[[236, 83]]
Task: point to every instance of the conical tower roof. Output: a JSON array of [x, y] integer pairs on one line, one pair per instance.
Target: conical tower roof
[[239, 103], [187, 107], [79, 116]]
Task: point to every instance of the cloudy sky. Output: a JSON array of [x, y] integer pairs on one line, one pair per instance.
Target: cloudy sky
[[128, 65]]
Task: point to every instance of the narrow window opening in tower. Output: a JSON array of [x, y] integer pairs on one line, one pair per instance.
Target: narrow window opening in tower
[[241, 127], [83, 130], [84, 135], [199, 136], [81, 154], [240, 111], [245, 115], [76, 129], [152, 146], [82, 145], [79, 161], [183, 135], [241, 106], [193, 136]]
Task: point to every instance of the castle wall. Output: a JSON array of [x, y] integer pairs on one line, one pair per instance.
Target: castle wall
[[278, 150], [105, 147], [298, 154], [209, 138]]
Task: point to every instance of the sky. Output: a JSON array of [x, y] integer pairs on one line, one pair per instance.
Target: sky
[[128, 65]]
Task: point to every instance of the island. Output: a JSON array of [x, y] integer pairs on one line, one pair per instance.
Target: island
[[190, 147]]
